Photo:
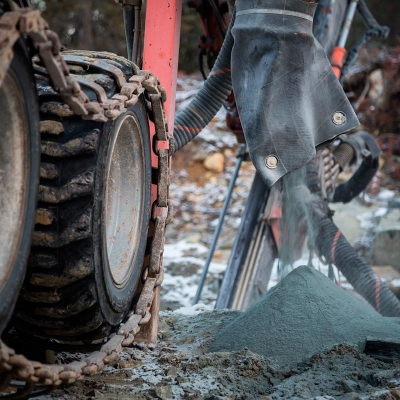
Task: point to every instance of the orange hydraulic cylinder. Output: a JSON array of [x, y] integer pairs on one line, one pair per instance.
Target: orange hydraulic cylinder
[[337, 60]]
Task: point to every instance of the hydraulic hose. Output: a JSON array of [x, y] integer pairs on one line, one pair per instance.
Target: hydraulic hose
[[366, 15], [360, 142], [346, 192], [337, 250], [332, 244], [129, 15], [375, 30], [343, 155], [210, 98]]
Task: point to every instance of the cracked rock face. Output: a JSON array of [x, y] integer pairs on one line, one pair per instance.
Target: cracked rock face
[[304, 314]]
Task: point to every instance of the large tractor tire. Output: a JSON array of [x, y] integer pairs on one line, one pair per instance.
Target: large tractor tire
[[19, 175], [93, 214]]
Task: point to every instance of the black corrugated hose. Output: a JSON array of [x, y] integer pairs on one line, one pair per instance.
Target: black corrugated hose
[[347, 191], [337, 250], [362, 177], [210, 98]]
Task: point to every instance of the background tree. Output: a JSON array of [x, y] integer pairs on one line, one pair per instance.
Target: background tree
[[98, 25]]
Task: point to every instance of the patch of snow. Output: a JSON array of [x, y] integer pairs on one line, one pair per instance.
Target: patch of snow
[[214, 223], [168, 259], [381, 212], [385, 195], [365, 220], [395, 282], [194, 310], [217, 268], [176, 250], [180, 289]]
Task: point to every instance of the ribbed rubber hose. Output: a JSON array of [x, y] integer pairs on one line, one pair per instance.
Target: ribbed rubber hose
[[337, 250], [332, 244], [347, 191], [210, 98]]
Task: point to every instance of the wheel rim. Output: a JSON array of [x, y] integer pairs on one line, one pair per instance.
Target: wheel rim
[[13, 173], [124, 199]]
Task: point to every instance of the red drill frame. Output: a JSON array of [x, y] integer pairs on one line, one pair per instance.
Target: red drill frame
[[160, 56]]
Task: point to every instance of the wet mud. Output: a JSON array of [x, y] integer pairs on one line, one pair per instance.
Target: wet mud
[[182, 367]]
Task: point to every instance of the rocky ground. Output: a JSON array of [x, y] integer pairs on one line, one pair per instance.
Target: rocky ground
[[180, 366]]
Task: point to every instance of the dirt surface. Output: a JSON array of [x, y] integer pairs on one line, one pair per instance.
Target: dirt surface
[[181, 367], [307, 339]]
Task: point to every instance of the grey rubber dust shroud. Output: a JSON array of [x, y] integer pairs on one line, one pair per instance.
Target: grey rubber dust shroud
[[289, 100]]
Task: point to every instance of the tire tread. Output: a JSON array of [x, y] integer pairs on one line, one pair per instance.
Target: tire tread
[[59, 299]]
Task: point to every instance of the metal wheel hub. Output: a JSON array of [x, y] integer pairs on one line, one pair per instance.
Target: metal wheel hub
[[13, 173], [124, 198]]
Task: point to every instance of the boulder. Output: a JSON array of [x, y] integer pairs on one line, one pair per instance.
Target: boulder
[[215, 162]]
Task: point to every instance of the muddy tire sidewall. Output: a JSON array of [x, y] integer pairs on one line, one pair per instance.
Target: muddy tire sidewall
[[22, 73]]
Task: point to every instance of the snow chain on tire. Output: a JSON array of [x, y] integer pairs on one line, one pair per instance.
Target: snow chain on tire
[[29, 22]]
